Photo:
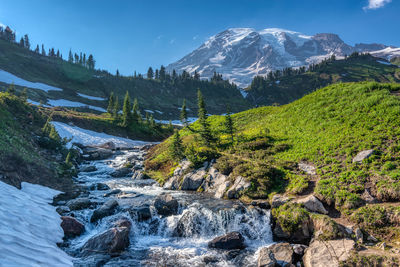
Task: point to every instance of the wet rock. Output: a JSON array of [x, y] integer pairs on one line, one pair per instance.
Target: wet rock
[[138, 175], [141, 213], [278, 200], [99, 186], [108, 145], [166, 205], [90, 168], [107, 209], [302, 235], [216, 183], [363, 155], [313, 204], [266, 258], [307, 168], [262, 204], [123, 222], [188, 225], [71, 226], [79, 203], [193, 180], [112, 241], [238, 187], [283, 253], [112, 192], [62, 210], [93, 153], [327, 253], [232, 240], [122, 172]]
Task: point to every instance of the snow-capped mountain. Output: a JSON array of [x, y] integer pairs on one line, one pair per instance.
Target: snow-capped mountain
[[241, 53]]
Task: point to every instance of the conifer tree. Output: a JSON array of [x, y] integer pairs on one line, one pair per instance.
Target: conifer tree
[[157, 75], [152, 121], [110, 106], [11, 89], [91, 62], [135, 111], [117, 73], [43, 50], [84, 59], [68, 159], [24, 95], [116, 108], [21, 42], [27, 44], [70, 57], [162, 73], [126, 111], [37, 49], [184, 118], [205, 131], [228, 124], [177, 151], [150, 73]]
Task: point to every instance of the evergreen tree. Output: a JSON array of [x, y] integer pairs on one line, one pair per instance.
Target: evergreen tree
[[91, 62], [126, 111], [117, 73], [84, 60], [111, 100], [76, 58], [162, 73], [177, 151], [37, 49], [70, 57], [205, 131], [21, 42], [24, 95], [116, 108], [11, 89], [68, 159], [228, 124], [152, 121], [27, 44], [150, 73], [136, 112], [58, 53], [183, 117], [157, 75], [80, 59]]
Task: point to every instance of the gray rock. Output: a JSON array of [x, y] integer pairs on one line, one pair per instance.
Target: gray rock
[[216, 183], [166, 205], [173, 183], [96, 153], [62, 210], [299, 249], [79, 203], [283, 253], [232, 240], [368, 198], [240, 185], [141, 213], [372, 238], [328, 253], [112, 241], [266, 258], [90, 168], [138, 175], [278, 200], [99, 186], [363, 155], [108, 145], [112, 192], [107, 209], [313, 204], [359, 235], [121, 172], [307, 168], [193, 180]]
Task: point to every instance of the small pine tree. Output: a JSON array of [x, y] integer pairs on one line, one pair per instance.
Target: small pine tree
[[229, 126], [150, 73], [183, 117], [68, 159], [27, 43], [24, 95], [152, 121], [11, 89], [177, 151], [116, 108], [205, 131], [135, 111], [70, 57], [37, 49], [126, 111], [110, 106]]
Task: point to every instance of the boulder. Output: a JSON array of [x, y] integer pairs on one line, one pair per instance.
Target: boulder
[[89, 168], [96, 153], [278, 200], [302, 235], [121, 172], [141, 213], [99, 186], [193, 180], [283, 253], [359, 235], [62, 210], [112, 192], [71, 226], [123, 222], [328, 253], [363, 155], [138, 175], [313, 204], [113, 241], [216, 183], [107, 209], [174, 181], [108, 145], [307, 168], [232, 240], [79, 203], [166, 205], [266, 258], [238, 187]]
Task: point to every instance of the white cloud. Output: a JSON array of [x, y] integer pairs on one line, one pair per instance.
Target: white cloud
[[375, 4]]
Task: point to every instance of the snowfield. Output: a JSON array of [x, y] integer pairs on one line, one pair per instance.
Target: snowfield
[[92, 97], [30, 227], [72, 104], [9, 78], [87, 137]]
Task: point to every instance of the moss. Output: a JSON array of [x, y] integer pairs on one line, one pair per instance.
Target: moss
[[291, 216]]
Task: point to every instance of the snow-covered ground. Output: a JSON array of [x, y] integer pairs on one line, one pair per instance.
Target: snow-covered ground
[[68, 103], [92, 97], [9, 78], [384, 62], [87, 137], [30, 227], [177, 122]]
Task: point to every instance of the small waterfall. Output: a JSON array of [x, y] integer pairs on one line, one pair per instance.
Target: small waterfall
[[177, 240]]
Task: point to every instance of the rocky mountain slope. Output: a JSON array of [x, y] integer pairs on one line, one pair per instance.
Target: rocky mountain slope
[[241, 53]]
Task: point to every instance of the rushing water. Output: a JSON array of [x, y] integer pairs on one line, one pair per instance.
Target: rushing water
[[152, 242]]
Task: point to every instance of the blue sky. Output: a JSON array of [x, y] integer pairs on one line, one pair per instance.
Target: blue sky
[[132, 35]]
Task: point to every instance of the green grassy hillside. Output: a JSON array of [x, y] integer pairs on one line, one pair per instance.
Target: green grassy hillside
[[289, 87], [152, 94], [326, 128]]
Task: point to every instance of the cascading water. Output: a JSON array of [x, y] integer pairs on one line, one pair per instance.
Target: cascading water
[[176, 240]]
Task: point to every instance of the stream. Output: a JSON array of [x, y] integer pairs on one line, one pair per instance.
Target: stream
[[153, 241]]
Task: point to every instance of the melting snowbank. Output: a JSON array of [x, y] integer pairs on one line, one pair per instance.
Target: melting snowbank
[[87, 137], [73, 104], [9, 78], [30, 227], [92, 97]]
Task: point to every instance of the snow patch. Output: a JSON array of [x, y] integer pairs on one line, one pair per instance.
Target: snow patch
[[9, 78], [148, 111], [87, 137], [384, 62], [92, 97], [177, 122], [30, 227], [68, 103]]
